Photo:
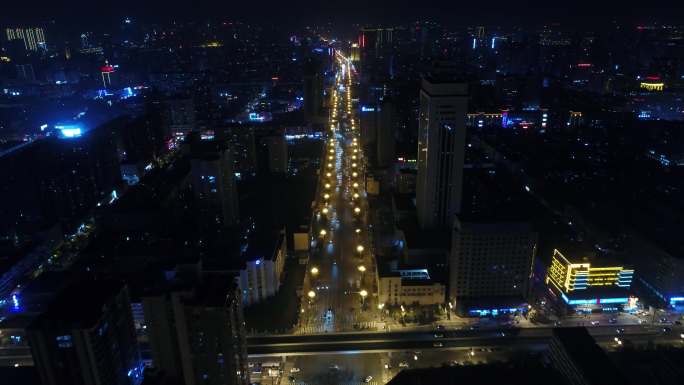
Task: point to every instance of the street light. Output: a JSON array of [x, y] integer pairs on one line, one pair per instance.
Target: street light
[[325, 210], [354, 174], [359, 249], [355, 185], [357, 210], [314, 271], [311, 294], [323, 232], [327, 185], [356, 195], [362, 268], [326, 196], [358, 231], [363, 294]]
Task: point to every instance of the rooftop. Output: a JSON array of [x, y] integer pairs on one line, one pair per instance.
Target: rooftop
[[495, 374], [80, 305], [589, 358]]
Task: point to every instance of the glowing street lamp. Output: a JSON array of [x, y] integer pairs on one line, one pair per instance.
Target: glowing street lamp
[[327, 185], [358, 231], [311, 294], [362, 268], [363, 293], [330, 165], [328, 174], [356, 185], [326, 196], [325, 210], [359, 249], [357, 210], [355, 174], [323, 232], [356, 195]]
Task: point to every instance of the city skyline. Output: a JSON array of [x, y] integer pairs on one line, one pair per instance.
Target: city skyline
[[300, 194]]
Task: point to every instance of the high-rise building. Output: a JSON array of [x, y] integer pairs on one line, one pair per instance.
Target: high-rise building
[[369, 118], [441, 148], [580, 360], [197, 333], [25, 72], [490, 267], [262, 270], [313, 90], [87, 337], [375, 42], [33, 38], [180, 116], [243, 142], [213, 181], [276, 146], [385, 140]]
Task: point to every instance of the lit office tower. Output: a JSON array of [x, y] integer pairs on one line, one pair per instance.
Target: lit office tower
[[87, 337], [33, 38], [441, 147], [197, 333]]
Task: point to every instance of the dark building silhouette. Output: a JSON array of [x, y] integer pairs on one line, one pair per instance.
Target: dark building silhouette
[[197, 333], [313, 90], [87, 337]]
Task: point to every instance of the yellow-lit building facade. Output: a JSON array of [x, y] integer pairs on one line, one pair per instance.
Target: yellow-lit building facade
[[586, 284], [652, 86], [355, 52]]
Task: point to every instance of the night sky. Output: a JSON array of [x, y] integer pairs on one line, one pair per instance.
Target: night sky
[[298, 12]]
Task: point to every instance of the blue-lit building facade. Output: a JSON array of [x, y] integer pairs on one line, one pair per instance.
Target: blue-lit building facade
[[661, 276]]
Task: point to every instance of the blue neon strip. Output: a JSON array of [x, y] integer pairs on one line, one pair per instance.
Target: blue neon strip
[[614, 300]]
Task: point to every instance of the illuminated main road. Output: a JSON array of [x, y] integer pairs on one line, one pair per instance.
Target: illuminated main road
[[461, 339], [339, 292]]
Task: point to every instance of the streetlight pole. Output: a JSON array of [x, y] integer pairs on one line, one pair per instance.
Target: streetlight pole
[[363, 294]]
